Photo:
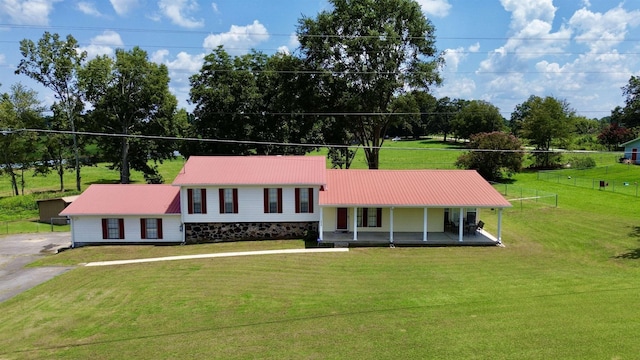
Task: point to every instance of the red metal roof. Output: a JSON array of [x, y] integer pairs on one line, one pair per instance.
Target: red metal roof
[[404, 188], [120, 199], [253, 170]]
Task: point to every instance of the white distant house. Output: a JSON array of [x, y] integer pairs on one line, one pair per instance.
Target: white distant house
[[232, 198], [631, 151]]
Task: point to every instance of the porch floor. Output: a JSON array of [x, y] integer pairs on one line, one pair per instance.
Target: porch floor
[[345, 239]]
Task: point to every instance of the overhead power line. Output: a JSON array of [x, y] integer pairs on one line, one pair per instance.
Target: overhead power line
[[271, 143]]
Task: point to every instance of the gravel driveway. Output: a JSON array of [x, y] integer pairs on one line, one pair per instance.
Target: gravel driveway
[[16, 251]]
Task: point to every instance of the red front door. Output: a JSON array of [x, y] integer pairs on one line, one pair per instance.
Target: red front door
[[342, 219], [634, 155]]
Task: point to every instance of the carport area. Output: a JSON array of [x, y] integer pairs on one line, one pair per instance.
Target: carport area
[[17, 251]]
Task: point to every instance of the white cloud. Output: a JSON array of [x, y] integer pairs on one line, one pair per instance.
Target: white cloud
[[453, 57], [122, 7], [602, 32], [214, 6], [438, 8], [239, 39], [2, 59], [177, 11], [103, 44], [457, 88], [31, 12], [88, 9], [524, 12]]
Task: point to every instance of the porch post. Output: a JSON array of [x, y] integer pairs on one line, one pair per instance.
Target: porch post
[[424, 225], [321, 225], [391, 225], [461, 225], [355, 223], [500, 225]]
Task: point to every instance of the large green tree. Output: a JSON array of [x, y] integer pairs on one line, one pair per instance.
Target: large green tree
[[631, 110], [365, 52], [54, 63], [544, 122], [493, 154], [252, 104], [19, 109], [130, 97], [475, 117]]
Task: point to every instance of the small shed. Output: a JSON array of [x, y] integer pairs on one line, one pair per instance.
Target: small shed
[[631, 150], [50, 208]]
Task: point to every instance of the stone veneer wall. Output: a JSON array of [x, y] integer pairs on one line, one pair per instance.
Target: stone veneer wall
[[219, 232]]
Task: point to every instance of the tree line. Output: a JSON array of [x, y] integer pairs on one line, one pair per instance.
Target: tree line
[[364, 71]]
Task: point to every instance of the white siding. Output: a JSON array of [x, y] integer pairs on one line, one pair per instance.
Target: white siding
[[250, 207], [88, 229]]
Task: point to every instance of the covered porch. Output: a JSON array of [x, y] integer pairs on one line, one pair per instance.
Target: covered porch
[[346, 239]]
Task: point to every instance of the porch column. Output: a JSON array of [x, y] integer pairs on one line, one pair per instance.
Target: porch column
[[500, 225], [391, 225], [424, 225], [355, 223], [461, 225], [321, 225]]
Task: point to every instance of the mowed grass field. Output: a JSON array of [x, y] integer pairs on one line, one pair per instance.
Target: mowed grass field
[[565, 286]]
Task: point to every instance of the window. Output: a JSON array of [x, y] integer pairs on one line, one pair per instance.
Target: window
[[228, 201], [197, 201], [369, 217], [113, 228], [304, 200], [273, 200], [151, 228]]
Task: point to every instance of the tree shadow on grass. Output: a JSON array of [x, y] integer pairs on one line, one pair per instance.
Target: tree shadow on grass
[[633, 254], [109, 181]]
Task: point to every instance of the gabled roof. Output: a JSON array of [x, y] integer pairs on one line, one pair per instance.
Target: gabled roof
[[630, 142], [65, 199], [404, 188], [252, 170], [121, 199]]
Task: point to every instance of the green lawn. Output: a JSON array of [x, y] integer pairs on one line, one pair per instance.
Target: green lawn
[[564, 287]]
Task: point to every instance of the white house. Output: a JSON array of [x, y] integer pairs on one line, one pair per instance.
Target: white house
[[131, 214], [231, 198]]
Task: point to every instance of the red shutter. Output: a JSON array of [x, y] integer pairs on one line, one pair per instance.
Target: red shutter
[[159, 228], [105, 231], [379, 217], [235, 201], [310, 200], [203, 195], [121, 228], [280, 200], [297, 200], [221, 198], [190, 201], [266, 201], [143, 229], [365, 217]]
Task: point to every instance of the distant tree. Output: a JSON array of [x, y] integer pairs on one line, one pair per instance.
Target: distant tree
[[631, 110], [366, 52], [54, 63], [442, 119], [19, 109], [487, 157], [130, 96], [544, 121], [475, 117], [614, 135]]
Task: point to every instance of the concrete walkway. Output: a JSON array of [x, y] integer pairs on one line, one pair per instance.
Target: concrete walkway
[[217, 255]]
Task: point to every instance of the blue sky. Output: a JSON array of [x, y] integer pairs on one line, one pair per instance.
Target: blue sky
[[501, 51]]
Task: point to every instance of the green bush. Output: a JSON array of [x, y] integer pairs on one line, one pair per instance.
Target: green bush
[[582, 163]]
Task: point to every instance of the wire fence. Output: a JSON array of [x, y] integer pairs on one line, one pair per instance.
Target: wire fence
[[30, 226], [602, 183], [522, 198]]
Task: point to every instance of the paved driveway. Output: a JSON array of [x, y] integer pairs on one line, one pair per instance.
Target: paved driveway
[[16, 251]]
